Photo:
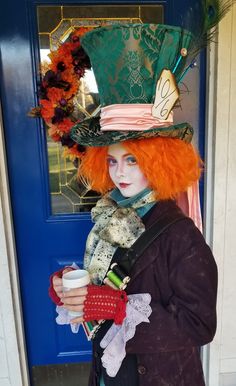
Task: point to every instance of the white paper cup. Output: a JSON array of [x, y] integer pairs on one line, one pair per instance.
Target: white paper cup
[[75, 279]]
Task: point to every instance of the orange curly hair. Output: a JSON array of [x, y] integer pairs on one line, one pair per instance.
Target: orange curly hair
[[170, 165]]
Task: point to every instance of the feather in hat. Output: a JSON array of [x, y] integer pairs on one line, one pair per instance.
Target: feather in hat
[[201, 19]]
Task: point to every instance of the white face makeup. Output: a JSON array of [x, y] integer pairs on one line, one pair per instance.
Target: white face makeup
[[124, 171]]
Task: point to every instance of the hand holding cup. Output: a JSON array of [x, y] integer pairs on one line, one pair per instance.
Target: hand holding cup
[[74, 285]]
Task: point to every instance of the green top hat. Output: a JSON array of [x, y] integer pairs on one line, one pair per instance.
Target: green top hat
[[127, 60]]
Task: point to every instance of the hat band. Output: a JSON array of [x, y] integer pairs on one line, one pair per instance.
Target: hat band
[[131, 117]]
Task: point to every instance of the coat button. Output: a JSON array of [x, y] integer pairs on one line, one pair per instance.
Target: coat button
[[142, 370]]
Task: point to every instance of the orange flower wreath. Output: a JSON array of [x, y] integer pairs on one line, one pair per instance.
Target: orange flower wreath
[[59, 86]]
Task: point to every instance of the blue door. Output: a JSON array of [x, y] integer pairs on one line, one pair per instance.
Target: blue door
[[51, 217]]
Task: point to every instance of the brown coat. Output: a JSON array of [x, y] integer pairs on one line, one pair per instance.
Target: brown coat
[[180, 273]]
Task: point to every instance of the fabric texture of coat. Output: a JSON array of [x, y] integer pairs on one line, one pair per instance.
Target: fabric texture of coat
[[179, 272]]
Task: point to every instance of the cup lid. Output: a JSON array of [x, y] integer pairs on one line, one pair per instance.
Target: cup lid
[[75, 279]]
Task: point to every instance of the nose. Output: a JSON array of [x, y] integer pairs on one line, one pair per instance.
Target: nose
[[120, 171]]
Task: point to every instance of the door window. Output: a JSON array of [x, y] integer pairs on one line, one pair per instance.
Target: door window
[[55, 24]]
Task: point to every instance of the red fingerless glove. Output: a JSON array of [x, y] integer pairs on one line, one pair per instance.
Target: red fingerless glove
[[105, 303], [52, 294]]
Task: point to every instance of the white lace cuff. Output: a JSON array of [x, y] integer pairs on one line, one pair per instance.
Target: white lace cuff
[[63, 317], [138, 310]]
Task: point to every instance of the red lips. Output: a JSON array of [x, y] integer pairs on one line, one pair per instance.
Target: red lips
[[123, 185]]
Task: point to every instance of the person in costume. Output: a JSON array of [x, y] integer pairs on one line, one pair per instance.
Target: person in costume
[[153, 278]]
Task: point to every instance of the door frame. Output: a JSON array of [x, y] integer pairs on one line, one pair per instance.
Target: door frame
[[17, 345], [11, 300]]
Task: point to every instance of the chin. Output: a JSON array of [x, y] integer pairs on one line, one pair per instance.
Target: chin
[[129, 192]]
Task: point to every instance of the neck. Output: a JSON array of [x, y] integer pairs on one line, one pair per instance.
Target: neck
[[137, 201]]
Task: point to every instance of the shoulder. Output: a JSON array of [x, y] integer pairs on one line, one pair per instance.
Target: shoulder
[[184, 234], [181, 239], [182, 229], [159, 210], [187, 252]]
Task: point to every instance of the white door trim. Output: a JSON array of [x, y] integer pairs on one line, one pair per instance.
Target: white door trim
[[10, 303]]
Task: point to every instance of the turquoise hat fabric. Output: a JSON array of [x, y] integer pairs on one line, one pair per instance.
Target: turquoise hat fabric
[[127, 60]]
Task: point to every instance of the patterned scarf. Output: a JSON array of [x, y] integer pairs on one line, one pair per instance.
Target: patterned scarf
[[116, 225]]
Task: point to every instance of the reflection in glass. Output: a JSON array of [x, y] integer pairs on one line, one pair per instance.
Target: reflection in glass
[[68, 194]]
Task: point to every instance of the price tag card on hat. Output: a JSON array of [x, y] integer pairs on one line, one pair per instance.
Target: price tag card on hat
[[167, 93]]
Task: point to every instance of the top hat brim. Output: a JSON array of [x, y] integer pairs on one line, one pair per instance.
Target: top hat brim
[[88, 133]]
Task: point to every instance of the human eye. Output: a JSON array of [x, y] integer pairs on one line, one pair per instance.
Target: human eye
[[131, 160], [111, 161]]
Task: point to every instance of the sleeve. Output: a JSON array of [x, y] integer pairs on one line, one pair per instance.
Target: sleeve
[[186, 314]]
